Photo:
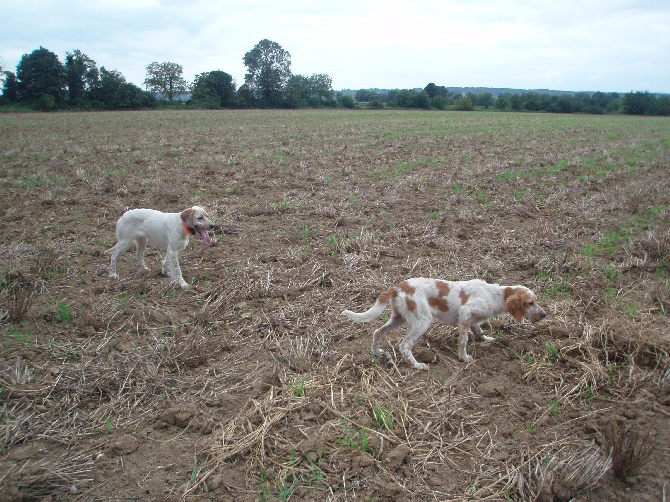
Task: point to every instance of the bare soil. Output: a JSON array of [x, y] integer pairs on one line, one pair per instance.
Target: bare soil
[[251, 385]]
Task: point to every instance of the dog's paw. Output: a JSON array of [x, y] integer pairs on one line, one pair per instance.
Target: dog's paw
[[184, 285], [467, 358], [421, 366], [488, 338], [114, 275]]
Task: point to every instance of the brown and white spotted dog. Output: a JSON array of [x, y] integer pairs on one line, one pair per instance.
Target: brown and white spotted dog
[[465, 304]]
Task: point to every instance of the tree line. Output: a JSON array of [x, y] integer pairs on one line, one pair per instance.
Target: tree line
[[43, 83], [440, 98]]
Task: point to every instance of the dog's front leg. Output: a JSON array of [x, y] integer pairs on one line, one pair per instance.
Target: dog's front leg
[[171, 266]]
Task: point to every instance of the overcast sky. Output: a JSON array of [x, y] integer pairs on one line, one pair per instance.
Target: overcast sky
[[586, 45]]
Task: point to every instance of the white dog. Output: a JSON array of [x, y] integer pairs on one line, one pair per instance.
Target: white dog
[[167, 231], [465, 304]]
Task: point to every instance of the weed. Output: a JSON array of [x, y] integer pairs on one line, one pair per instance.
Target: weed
[[383, 416], [316, 473], [306, 232], [554, 406], [355, 439], [124, 299], [611, 273], [32, 181], [589, 250], [283, 205], [558, 166], [403, 167], [613, 240], [457, 188], [196, 469], [24, 335], [551, 350], [299, 388], [284, 490], [528, 359], [508, 175], [63, 312], [587, 395]]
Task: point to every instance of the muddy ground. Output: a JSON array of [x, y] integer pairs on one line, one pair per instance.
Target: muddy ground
[[250, 385]]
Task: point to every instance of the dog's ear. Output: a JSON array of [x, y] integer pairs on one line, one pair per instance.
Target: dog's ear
[[187, 214], [514, 305]]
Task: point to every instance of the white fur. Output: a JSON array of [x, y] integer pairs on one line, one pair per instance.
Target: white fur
[[166, 231], [465, 304]]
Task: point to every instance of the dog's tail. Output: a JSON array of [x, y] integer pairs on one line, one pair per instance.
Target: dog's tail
[[375, 311]]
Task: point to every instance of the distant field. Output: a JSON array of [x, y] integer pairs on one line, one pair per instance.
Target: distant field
[[251, 386]]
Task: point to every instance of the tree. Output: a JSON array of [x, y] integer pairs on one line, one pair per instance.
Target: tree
[[41, 74], [431, 90], [464, 104], [640, 103], [114, 92], [503, 102], [165, 79], [10, 93], [485, 100], [214, 89], [409, 98], [439, 102], [268, 72], [345, 100], [81, 75], [298, 92], [322, 87]]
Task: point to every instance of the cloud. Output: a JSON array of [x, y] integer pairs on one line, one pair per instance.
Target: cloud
[[616, 45]]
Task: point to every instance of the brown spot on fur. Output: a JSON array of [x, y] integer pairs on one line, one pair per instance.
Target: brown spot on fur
[[411, 304], [440, 303], [406, 288], [386, 296], [514, 302], [442, 288], [507, 292], [463, 296], [186, 214]]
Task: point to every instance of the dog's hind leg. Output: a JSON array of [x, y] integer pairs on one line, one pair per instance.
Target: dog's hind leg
[[378, 335], [415, 332], [120, 248], [141, 243]]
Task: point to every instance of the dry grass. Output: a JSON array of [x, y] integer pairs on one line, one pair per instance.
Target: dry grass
[[630, 449], [70, 473], [251, 384]]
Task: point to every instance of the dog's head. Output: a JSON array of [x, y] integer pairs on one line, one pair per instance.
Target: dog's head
[[521, 302], [196, 221]]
